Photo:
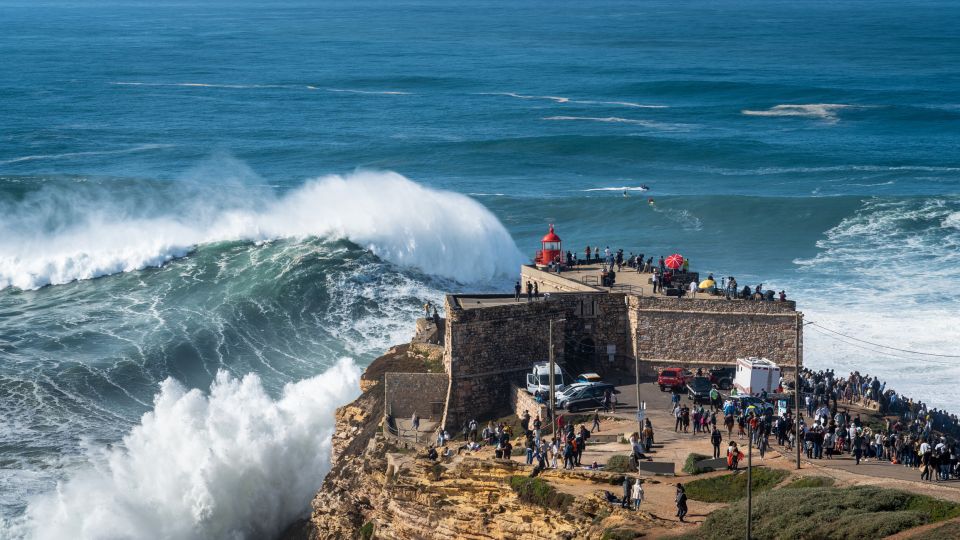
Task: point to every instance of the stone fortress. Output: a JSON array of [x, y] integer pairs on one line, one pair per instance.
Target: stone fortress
[[490, 342]]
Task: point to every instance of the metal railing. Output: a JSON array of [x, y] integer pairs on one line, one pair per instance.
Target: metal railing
[[635, 290]]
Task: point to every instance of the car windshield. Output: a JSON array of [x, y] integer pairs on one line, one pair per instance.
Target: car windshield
[[700, 383], [668, 373], [557, 379]]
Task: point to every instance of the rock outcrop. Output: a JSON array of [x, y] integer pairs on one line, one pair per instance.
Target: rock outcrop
[[378, 488]]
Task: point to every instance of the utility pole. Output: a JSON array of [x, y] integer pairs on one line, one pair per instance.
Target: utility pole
[[553, 368], [749, 479], [796, 387], [636, 367]]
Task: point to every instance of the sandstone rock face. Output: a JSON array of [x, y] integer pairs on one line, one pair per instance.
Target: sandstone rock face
[[401, 496]]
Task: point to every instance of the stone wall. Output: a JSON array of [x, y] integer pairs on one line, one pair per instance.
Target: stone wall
[[521, 400], [551, 281], [424, 393], [708, 332], [487, 349]]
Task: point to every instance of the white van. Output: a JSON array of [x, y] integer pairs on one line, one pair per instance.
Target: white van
[[539, 378]]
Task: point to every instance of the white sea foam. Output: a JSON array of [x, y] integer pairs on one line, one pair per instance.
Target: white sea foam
[[889, 274], [204, 85], [95, 233], [67, 155], [617, 120], [622, 188], [373, 92], [560, 99], [232, 464], [764, 171], [823, 111]]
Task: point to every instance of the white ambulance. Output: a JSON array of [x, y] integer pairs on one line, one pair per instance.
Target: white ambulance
[[754, 375]]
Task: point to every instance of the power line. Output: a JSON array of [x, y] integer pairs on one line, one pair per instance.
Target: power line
[[884, 353], [864, 348], [883, 346]]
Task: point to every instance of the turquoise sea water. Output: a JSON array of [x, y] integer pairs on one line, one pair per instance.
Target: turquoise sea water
[[266, 188]]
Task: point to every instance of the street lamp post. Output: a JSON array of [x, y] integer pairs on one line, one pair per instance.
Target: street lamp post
[[749, 479], [796, 387], [553, 368]]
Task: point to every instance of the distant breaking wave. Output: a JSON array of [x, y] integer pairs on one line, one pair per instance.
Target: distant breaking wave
[[830, 168], [823, 111], [249, 86], [560, 99], [63, 233], [617, 120], [375, 92], [67, 155], [624, 188]]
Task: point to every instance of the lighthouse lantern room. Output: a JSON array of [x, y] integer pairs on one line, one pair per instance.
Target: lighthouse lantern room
[[550, 250]]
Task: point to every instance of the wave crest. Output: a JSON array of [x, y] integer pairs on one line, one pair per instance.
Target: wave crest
[[60, 235], [823, 111]]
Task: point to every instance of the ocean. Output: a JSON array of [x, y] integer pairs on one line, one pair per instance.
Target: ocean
[[214, 214]]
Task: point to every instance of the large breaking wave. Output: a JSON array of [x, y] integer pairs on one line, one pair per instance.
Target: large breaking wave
[[60, 233], [231, 464]]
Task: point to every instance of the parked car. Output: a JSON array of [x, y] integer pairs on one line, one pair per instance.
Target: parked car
[[539, 378], [698, 388], [672, 378], [588, 377], [586, 397], [723, 377], [744, 402]]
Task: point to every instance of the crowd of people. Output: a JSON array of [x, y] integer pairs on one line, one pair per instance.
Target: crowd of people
[[911, 434], [678, 279]]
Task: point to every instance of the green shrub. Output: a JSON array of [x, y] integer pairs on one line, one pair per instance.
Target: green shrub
[[690, 466], [538, 491], [827, 513], [366, 532], [620, 464], [732, 487], [810, 482], [947, 530], [621, 534]]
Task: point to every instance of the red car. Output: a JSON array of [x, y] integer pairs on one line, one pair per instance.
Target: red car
[[671, 378]]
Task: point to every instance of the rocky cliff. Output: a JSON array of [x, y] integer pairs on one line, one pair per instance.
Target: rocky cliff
[[377, 488]]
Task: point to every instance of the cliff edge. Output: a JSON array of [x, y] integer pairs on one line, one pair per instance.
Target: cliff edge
[[377, 488]]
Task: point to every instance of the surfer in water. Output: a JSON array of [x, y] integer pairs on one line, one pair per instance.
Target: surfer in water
[[625, 194], [644, 187], [650, 201]]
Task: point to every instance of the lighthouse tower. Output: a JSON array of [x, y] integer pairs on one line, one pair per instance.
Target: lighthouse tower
[[550, 250]]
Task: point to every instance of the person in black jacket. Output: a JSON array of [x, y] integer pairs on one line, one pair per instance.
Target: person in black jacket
[[681, 502], [716, 438]]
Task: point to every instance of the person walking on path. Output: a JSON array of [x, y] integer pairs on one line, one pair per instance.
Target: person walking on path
[[637, 494], [596, 420], [415, 422], [681, 502], [716, 438], [625, 502], [517, 289], [529, 291]]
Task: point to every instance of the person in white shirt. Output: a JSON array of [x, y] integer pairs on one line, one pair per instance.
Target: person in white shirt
[[637, 494], [693, 287], [924, 448]]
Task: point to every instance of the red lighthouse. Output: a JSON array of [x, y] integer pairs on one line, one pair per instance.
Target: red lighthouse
[[550, 251]]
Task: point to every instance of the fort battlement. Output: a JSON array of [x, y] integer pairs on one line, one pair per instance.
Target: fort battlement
[[491, 341]]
